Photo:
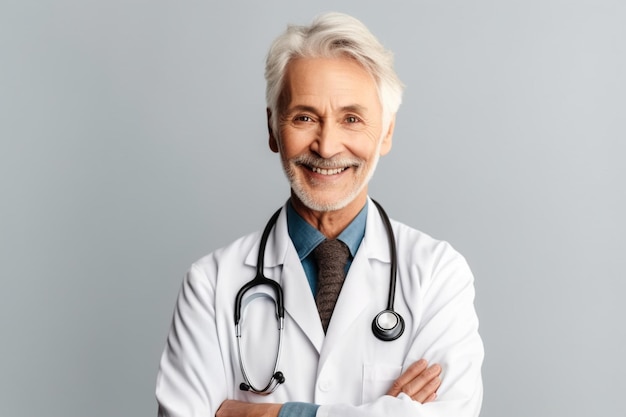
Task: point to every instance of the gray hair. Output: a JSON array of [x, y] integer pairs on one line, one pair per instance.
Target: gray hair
[[332, 35]]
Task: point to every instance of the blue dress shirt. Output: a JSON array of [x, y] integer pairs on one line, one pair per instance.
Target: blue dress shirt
[[306, 238]]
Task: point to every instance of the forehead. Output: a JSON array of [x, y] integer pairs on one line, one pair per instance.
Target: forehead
[[335, 79]]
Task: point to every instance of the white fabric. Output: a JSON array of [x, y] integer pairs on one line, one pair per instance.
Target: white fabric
[[349, 370]]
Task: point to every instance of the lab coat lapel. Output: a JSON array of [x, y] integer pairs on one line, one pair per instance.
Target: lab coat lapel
[[283, 265], [299, 301], [354, 297], [361, 286]]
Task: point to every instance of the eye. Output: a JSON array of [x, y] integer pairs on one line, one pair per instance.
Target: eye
[[352, 119], [303, 118]]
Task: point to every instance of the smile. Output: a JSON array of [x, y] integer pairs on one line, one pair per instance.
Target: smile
[[323, 171]]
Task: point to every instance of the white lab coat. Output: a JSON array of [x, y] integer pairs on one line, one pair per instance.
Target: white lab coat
[[347, 371]]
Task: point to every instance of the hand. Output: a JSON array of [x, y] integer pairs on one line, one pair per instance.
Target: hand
[[419, 382], [233, 408]]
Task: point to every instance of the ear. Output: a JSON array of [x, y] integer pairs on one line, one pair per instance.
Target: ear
[[385, 146], [272, 138]]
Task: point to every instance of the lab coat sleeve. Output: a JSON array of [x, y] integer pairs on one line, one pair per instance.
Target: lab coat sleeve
[[191, 379], [447, 334]]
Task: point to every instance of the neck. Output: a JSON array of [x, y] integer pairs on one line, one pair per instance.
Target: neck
[[330, 223]]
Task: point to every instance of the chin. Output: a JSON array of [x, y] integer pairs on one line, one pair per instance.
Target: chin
[[323, 205]]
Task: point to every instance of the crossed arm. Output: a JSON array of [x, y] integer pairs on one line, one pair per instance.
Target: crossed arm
[[419, 381]]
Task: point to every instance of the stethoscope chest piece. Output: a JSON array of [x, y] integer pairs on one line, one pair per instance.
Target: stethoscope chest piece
[[388, 325]]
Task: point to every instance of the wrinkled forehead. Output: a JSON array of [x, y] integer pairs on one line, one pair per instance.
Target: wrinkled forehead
[[340, 70]]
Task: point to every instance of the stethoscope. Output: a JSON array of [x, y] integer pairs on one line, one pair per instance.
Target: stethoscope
[[386, 326]]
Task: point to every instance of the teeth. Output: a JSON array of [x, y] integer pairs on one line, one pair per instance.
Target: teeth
[[327, 171]]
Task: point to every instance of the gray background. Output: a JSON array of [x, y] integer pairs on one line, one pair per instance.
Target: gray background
[[133, 141]]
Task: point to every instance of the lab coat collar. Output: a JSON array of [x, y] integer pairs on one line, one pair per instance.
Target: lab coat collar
[[376, 241], [279, 240], [277, 244]]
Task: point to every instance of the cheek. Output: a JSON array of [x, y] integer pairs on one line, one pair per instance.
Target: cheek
[[366, 146], [292, 142]]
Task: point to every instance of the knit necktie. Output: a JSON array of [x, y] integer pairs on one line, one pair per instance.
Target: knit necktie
[[331, 257]]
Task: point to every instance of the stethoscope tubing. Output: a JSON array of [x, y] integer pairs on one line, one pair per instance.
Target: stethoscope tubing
[[386, 326], [393, 254], [260, 279]]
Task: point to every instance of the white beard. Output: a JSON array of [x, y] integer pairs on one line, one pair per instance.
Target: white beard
[[310, 201]]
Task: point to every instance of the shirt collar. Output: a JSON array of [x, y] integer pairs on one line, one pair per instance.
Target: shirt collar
[[306, 237]]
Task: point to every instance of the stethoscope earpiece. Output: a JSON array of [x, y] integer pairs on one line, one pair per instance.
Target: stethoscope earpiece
[[279, 377]]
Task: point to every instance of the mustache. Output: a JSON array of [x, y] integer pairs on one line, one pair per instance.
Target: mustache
[[326, 163]]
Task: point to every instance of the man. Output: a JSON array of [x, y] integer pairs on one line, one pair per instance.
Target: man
[[332, 97]]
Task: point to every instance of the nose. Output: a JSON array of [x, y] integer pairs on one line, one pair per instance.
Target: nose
[[328, 141]]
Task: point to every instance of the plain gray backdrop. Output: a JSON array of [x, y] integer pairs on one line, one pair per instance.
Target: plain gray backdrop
[[133, 142]]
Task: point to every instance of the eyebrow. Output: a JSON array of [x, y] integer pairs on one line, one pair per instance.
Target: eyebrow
[[352, 108]]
